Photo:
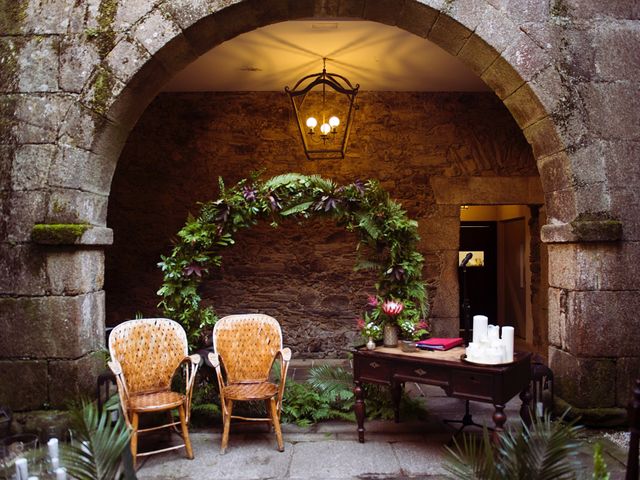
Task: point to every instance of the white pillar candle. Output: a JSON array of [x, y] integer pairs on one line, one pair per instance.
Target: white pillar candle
[[55, 463], [479, 327], [52, 444], [33, 478], [61, 474], [507, 340], [22, 470], [493, 332]]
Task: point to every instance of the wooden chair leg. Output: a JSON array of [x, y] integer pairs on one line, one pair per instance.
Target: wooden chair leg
[[134, 437], [185, 432], [227, 426], [267, 404], [276, 424]]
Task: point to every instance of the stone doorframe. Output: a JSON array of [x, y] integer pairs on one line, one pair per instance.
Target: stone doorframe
[[81, 76]]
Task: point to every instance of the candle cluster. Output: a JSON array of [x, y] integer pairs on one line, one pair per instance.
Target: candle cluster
[[487, 345], [22, 467]]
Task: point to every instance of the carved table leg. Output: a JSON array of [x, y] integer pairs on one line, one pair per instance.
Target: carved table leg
[[499, 418], [525, 408], [359, 410], [396, 395]]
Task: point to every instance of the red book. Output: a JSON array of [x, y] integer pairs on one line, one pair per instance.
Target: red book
[[439, 343]]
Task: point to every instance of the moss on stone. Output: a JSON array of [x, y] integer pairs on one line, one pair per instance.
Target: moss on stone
[[102, 89], [9, 69], [593, 417], [592, 227], [58, 233], [105, 35], [12, 14]]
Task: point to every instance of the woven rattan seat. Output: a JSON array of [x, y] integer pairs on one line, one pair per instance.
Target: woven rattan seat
[[158, 401], [245, 348], [251, 391], [145, 354]]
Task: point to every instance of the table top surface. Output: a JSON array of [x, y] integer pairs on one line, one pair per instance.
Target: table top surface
[[453, 356]]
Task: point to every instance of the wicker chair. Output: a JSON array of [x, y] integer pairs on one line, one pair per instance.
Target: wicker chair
[[145, 354], [245, 348]]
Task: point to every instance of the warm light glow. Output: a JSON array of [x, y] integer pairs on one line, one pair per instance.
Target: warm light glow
[[334, 121], [312, 123], [325, 128]]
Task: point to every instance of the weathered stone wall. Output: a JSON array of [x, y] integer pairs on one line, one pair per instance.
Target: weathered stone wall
[[76, 75], [301, 274]]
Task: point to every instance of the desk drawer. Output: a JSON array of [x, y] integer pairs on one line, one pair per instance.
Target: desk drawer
[[472, 385], [373, 369], [430, 374]]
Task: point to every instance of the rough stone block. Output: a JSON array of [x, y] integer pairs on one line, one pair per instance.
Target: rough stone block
[[126, 58], [187, 12], [618, 159], [23, 384], [382, 11], [594, 266], [22, 270], [487, 190], [73, 379], [24, 209], [31, 165], [78, 58], [155, 31], [502, 78], [544, 138], [74, 206], [52, 327], [449, 34], [6, 162], [556, 172], [349, 8], [583, 382], [417, 18], [47, 17], [556, 315], [80, 169], [442, 234], [9, 56], [525, 106], [497, 29], [478, 55], [520, 11], [627, 371], [38, 65], [561, 208], [598, 323], [102, 91], [612, 109], [130, 13], [445, 327], [81, 126], [588, 9], [75, 273], [625, 206], [39, 116], [446, 301]]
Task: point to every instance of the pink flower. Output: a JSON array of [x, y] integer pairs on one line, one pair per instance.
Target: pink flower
[[392, 308], [372, 301], [422, 325], [360, 323]]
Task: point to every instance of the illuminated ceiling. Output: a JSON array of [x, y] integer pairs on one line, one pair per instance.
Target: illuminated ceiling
[[377, 56]]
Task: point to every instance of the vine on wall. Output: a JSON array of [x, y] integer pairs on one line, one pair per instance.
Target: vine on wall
[[387, 241]]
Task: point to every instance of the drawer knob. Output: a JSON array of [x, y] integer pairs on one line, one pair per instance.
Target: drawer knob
[[374, 364], [420, 372]]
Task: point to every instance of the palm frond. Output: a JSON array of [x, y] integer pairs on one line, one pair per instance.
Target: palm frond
[[336, 382], [98, 444], [280, 180], [301, 207], [324, 184]]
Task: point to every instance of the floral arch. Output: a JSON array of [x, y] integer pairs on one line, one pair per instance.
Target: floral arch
[[387, 241]]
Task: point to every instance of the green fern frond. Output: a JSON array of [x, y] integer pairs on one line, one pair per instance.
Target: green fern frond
[[336, 382], [285, 179], [301, 207]]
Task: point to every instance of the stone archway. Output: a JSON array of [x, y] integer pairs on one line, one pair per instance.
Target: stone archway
[[63, 165]]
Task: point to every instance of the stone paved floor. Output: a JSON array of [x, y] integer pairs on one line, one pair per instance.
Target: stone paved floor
[[330, 450]]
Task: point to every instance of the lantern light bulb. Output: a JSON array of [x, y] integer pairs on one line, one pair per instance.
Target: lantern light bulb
[[334, 121], [312, 123], [325, 128]]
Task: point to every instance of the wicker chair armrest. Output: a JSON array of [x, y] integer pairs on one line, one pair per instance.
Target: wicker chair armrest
[[194, 358], [115, 367], [286, 354], [214, 360]]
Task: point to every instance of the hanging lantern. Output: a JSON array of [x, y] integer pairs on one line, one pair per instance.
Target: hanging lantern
[[324, 106]]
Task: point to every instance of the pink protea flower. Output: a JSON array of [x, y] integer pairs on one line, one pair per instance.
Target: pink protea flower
[[372, 301], [392, 308], [422, 325]]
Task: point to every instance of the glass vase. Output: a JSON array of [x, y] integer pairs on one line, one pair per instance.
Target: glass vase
[[390, 335], [371, 345]]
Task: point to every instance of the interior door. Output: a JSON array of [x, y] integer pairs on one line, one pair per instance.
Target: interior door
[[513, 298], [481, 281]]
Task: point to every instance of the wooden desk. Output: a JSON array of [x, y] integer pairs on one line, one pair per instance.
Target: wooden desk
[[495, 384]]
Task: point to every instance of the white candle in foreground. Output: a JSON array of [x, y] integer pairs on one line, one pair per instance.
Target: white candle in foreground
[[479, 327], [22, 470], [493, 333], [52, 444], [55, 463], [507, 340], [61, 474], [32, 478]]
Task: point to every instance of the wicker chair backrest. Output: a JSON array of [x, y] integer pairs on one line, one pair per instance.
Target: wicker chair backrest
[[149, 351], [247, 345]]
